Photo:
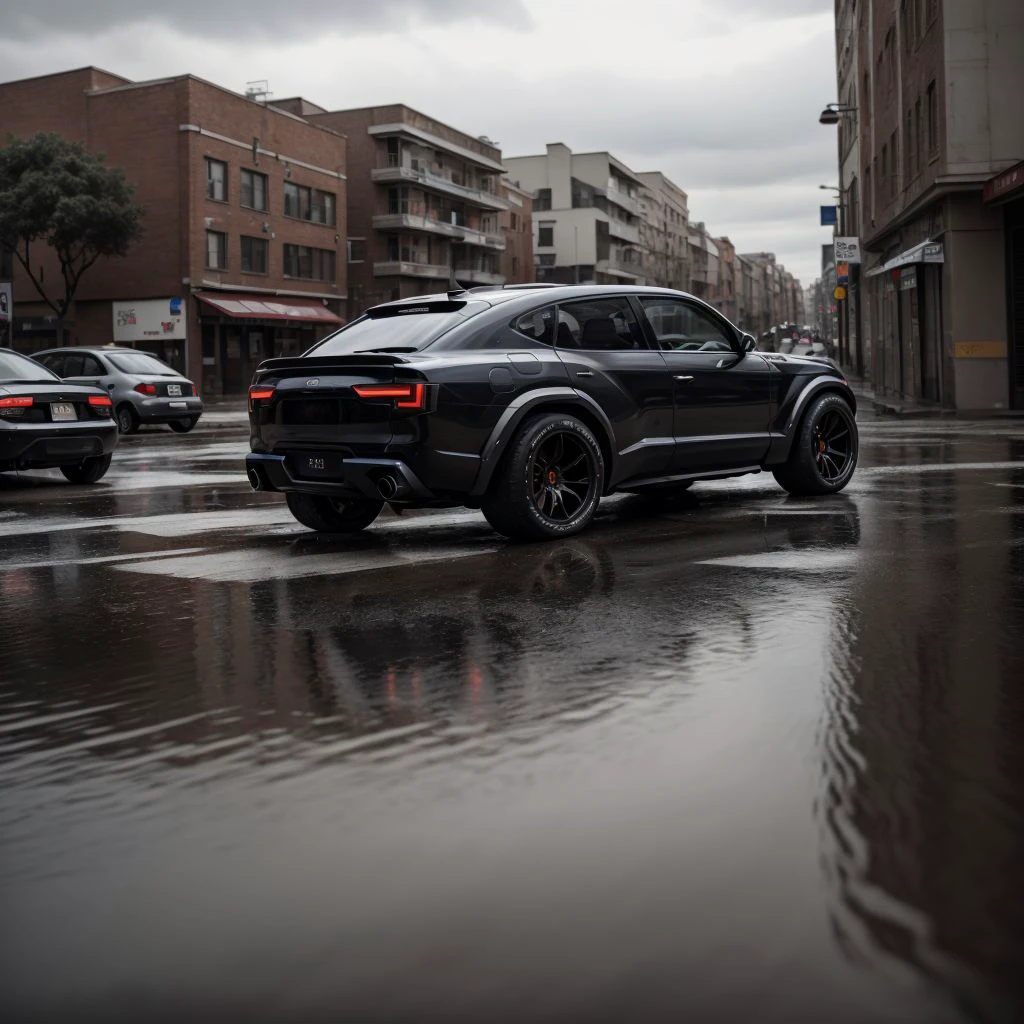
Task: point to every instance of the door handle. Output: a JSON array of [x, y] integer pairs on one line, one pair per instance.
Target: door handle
[[682, 378], [584, 373]]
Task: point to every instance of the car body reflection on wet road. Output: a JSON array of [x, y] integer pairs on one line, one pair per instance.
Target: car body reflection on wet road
[[731, 756]]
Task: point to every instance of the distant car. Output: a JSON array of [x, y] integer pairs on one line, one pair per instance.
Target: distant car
[[143, 388], [47, 423]]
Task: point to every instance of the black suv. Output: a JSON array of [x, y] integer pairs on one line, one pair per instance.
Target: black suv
[[530, 403]]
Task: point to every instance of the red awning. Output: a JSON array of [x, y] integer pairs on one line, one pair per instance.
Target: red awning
[[245, 308]]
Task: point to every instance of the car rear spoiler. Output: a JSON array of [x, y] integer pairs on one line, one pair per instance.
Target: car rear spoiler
[[324, 364]]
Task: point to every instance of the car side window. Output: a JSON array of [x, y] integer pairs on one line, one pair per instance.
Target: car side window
[[599, 324], [73, 366], [53, 362], [682, 327], [539, 325], [91, 367]]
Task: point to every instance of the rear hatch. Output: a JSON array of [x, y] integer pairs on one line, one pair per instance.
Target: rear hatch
[[357, 405]]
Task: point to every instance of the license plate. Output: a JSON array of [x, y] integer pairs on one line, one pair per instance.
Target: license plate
[[174, 389], [316, 464], [178, 405], [61, 412]]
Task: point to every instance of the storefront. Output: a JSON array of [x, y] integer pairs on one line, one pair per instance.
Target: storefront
[[907, 301], [158, 326], [239, 331]]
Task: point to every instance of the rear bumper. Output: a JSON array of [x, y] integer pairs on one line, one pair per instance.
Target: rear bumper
[[166, 410], [350, 477], [45, 445]]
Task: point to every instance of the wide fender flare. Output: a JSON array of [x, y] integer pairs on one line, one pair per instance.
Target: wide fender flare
[[527, 403], [791, 413]]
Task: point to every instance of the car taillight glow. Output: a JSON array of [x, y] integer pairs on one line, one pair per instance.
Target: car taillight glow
[[17, 402], [100, 400], [406, 396], [146, 389]]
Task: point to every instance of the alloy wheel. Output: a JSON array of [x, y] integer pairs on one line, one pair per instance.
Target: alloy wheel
[[832, 438], [563, 477]]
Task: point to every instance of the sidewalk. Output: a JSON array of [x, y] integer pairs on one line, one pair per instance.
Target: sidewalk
[[888, 405]]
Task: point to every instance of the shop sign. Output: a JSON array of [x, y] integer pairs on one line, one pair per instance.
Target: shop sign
[[843, 272], [1003, 184], [932, 253], [847, 249], [979, 350], [908, 279], [828, 216], [839, 293], [149, 319]]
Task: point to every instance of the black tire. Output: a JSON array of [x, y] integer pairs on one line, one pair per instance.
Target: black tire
[[127, 419], [183, 426], [332, 515], [527, 499], [88, 471], [824, 452]]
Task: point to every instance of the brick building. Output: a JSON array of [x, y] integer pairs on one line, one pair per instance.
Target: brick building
[[516, 225], [930, 90], [245, 219], [424, 200]]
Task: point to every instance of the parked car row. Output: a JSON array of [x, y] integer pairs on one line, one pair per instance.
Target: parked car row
[[64, 408]]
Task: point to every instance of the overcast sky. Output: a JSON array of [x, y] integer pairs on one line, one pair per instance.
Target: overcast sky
[[721, 95]]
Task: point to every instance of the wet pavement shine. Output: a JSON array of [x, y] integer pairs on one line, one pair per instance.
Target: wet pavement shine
[[727, 757]]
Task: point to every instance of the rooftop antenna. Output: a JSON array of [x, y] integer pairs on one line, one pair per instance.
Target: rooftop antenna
[[259, 91]]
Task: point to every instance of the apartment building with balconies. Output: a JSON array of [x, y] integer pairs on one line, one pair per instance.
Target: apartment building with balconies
[[586, 216], [425, 201], [664, 231]]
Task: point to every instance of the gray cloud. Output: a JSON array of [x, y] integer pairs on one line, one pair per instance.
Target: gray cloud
[[254, 19]]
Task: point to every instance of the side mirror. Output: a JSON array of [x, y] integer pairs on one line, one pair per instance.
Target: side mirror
[[748, 343]]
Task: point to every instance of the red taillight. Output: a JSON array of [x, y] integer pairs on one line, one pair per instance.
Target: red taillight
[[406, 396], [18, 402], [260, 394], [100, 400], [146, 389]]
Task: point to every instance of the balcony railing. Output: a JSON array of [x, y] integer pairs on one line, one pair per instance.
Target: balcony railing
[[624, 200], [478, 275], [410, 268], [390, 170]]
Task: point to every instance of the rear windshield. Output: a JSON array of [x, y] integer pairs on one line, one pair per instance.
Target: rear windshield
[[140, 363], [390, 330], [14, 367]]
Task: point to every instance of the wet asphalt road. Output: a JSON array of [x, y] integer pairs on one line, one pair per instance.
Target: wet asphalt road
[[728, 757]]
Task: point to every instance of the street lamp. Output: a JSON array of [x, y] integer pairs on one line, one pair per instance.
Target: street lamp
[[830, 115]]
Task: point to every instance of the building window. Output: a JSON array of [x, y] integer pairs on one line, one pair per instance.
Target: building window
[[515, 265], [543, 200], [254, 255], [933, 121], [216, 250], [515, 222], [304, 203], [546, 260], [546, 234], [216, 180], [253, 193], [309, 264]]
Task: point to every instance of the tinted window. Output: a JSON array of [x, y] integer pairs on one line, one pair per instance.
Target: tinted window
[[92, 367], [15, 367], [682, 327], [73, 366], [595, 324], [54, 362], [140, 363], [385, 330], [538, 325]]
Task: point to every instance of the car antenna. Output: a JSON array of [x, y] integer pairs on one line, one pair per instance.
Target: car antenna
[[454, 288]]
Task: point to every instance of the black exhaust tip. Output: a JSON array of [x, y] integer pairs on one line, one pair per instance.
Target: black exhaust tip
[[255, 480]]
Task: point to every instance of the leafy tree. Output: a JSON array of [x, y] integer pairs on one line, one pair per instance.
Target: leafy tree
[[53, 192]]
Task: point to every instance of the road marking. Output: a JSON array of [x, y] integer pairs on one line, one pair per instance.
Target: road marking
[[49, 563]]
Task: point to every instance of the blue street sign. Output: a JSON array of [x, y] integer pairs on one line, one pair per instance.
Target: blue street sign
[[828, 216]]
